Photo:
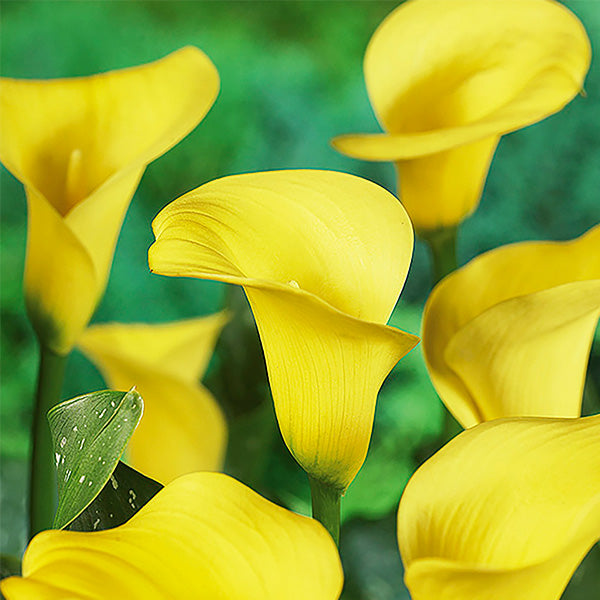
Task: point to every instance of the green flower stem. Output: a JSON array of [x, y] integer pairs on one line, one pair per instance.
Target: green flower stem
[[326, 502], [442, 243], [42, 480]]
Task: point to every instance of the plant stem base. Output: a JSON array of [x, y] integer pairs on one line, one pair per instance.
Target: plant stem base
[[442, 243], [42, 481], [326, 504]]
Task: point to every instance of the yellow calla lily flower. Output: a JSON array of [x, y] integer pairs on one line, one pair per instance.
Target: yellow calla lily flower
[[80, 147], [447, 78], [509, 334], [507, 509], [204, 536], [322, 257], [183, 429]]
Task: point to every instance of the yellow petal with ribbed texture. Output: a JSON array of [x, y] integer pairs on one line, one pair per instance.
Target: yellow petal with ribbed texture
[[507, 509], [204, 536], [447, 79], [322, 257], [80, 147], [183, 429], [509, 333]]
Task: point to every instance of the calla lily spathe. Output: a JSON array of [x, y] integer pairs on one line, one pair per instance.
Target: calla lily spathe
[[322, 257], [509, 334], [204, 536], [507, 509], [80, 147], [183, 429], [447, 78]]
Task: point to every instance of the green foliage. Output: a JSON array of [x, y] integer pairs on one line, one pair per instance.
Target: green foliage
[[90, 433], [122, 496], [291, 76]]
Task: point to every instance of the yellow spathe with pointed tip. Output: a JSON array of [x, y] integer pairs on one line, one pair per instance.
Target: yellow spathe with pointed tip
[[205, 536], [507, 509], [447, 78], [183, 429], [322, 257], [80, 147], [509, 334]]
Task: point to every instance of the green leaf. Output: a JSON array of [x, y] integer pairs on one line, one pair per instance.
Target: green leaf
[[125, 493], [90, 433]]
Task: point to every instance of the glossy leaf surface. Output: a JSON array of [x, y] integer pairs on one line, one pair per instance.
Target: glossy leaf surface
[[123, 495], [90, 433]]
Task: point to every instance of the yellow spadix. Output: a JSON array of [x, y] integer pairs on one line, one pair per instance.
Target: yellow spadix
[[80, 147]]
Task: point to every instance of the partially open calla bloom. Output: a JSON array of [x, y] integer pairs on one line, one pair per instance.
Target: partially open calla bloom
[[322, 257], [507, 509], [204, 536], [448, 78], [80, 147], [183, 429], [509, 334]]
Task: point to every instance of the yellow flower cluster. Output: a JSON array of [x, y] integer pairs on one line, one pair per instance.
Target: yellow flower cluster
[[508, 508]]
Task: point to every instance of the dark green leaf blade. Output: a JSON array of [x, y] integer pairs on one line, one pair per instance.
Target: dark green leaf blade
[[125, 493], [90, 433]]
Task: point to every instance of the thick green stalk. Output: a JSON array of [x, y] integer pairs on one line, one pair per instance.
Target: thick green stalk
[[42, 479], [442, 243], [326, 503]]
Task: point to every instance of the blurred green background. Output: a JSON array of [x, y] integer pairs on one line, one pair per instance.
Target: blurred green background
[[291, 79]]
